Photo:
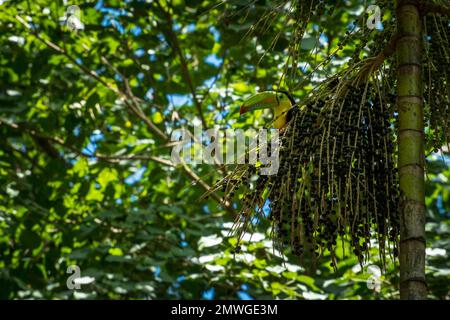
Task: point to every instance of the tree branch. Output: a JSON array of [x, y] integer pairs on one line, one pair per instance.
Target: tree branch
[[126, 96], [115, 158], [175, 44]]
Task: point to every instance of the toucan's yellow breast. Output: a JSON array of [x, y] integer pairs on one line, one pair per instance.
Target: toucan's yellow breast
[[280, 114]]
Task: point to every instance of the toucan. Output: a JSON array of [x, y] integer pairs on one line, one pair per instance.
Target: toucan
[[280, 101]]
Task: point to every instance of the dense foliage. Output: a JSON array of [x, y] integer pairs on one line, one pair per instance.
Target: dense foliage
[[86, 176]]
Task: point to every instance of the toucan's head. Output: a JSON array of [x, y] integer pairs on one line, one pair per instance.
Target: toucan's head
[[279, 101]]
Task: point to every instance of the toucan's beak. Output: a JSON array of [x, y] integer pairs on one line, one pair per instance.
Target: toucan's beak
[[259, 101]]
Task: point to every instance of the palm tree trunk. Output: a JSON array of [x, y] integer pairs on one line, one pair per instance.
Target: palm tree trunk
[[411, 153]]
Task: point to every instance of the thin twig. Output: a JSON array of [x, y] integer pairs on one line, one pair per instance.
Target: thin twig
[[174, 42]]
